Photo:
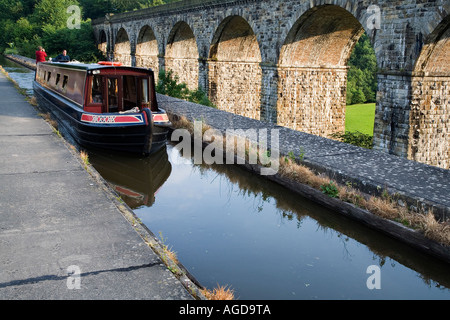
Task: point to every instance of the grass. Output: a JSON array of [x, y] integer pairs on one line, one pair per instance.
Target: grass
[[219, 293], [360, 117], [85, 158], [385, 206], [168, 251]]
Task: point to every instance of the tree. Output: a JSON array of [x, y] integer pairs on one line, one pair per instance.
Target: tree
[[79, 43], [362, 75], [94, 9], [26, 24], [10, 9], [52, 12]]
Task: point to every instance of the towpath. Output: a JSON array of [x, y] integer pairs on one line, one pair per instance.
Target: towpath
[[61, 235]]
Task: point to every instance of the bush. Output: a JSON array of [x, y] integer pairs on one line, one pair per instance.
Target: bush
[[79, 43], [354, 138], [168, 84], [362, 74], [330, 189]]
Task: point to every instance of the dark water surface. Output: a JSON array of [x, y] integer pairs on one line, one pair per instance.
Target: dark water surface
[[235, 229], [23, 76], [230, 227]]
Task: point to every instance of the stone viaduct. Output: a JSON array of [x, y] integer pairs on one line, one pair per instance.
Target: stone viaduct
[[285, 62]]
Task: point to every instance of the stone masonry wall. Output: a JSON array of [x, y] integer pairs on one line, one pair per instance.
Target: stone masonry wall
[[312, 100], [185, 69], [430, 121], [236, 87]]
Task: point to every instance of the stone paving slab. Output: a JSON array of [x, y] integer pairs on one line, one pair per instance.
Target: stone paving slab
[[54, 215], [371, 171]]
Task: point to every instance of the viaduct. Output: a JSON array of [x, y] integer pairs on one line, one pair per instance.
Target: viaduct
[[285, 62]]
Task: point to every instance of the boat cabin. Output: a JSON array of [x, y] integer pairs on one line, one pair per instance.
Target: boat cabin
[[98, 88]]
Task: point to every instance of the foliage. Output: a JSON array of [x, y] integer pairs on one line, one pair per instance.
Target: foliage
[[94, 9], [362, 75], [27, 24], [168, 84], [51, 12], [79, 43], [330, 189], [355, 138]]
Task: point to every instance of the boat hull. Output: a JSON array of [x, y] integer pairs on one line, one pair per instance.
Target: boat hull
[[130, 133]]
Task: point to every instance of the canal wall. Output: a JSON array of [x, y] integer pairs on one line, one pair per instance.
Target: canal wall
[[24, 61]]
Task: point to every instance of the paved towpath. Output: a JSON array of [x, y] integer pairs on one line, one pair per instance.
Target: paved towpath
[[59, 229]]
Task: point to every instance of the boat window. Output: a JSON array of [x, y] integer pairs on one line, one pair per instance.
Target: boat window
[[49, 74], [96, 85], [65, 80], [129, 92], [144, 96], [113, 94], [58, 76]]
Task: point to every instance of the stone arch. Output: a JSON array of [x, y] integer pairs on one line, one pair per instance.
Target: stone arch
[[147, 49], [182, 54], [122, 48], [312, 70], [429, 135], [102, 44], [235, 73]]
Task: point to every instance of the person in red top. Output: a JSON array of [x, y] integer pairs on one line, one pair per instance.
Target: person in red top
[[40, 55]]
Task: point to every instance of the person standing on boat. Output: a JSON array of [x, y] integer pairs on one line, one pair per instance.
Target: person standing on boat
[[40, 55], [63, 57]]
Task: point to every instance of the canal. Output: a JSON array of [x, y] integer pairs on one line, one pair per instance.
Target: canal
[[231, 228]]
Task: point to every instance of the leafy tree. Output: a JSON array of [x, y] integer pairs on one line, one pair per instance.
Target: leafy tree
[[52, 12], [98, 8], [168, 84], [11, 9], [362, 75], [94, 9], [79, 43]]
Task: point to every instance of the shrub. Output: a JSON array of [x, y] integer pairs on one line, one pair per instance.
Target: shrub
[[169, 85], [354, 138], [330, 189]]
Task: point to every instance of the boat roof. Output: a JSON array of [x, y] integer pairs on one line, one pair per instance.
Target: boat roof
[[91, 66]]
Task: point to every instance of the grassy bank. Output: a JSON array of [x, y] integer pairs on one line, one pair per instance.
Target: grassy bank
[[360, 117]]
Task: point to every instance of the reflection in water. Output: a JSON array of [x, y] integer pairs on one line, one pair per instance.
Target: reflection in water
[[135, 180], [231, 227]]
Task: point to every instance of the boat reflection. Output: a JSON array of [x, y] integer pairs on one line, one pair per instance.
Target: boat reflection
[[136, 180]]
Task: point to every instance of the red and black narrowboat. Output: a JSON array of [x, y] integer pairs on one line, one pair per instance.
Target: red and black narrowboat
[[103, 105]]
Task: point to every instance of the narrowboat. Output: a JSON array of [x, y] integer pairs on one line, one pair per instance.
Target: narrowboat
[[103, 105]]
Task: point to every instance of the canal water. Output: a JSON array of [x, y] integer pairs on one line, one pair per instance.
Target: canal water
[[231, 228], [23, 76]]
